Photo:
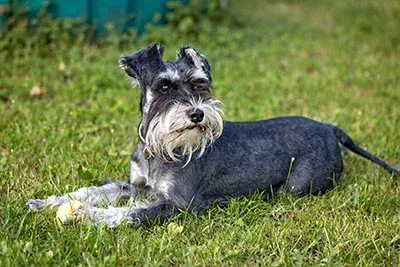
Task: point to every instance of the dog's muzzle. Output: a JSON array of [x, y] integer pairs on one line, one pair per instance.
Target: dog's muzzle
[[183, 130]]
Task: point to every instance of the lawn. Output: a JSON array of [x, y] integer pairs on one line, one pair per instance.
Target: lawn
[[336, 61]]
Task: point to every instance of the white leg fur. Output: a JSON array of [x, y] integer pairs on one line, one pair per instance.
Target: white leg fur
[[112, 216], [109, 193]]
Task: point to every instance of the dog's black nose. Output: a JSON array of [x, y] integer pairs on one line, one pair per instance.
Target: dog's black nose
[[196, 115]]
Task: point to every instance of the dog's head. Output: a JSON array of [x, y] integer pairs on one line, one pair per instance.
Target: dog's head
[[180, 117]]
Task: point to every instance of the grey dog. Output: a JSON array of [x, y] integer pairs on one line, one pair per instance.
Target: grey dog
[[189, 158]]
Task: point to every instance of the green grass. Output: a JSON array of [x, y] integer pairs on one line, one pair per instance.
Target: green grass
[[336, 61]]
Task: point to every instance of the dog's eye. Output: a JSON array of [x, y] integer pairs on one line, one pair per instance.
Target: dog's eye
[[200, 85], [165, 88], [197, 87]]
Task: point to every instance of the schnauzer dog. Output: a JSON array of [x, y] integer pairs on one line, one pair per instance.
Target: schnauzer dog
[[188, 158]]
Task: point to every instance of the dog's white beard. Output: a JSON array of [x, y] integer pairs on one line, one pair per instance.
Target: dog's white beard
[[172, 135]]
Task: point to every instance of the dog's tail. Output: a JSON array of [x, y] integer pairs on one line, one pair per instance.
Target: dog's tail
[[347, 142]]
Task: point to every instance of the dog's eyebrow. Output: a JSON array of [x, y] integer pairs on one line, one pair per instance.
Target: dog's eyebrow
[[200, 80], [197, 74], [161, 80], [170, 74]]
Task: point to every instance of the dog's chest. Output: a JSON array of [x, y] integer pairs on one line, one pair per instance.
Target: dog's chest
[[166, 184], [161, 183], [151, 173]]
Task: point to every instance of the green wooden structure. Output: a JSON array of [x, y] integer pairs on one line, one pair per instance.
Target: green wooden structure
[[123, 13]]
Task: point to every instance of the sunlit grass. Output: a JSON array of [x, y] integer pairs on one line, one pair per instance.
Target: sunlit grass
[[336, 62]]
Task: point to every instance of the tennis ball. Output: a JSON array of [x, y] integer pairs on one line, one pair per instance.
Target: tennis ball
[[72, 210]]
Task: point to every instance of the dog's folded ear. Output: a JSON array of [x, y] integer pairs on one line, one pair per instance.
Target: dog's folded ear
[[141, 66], [194, 59]]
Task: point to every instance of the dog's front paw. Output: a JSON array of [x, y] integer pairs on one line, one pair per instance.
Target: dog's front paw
[[40, 204], [35, 204], [138, 218], [134, 221]]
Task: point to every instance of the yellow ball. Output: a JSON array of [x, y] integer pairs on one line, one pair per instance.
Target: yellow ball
[[72, 210]]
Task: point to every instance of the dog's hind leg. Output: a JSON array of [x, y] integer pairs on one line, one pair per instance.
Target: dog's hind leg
[[108, 193], [312, 176]]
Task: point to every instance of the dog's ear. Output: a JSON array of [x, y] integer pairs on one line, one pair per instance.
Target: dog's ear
[[141, 66], [194, 59]]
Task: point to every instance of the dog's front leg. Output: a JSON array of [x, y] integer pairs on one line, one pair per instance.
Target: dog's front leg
[[136, 214], [112, 216], [108, 193]]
